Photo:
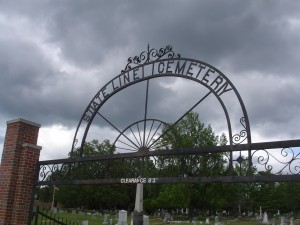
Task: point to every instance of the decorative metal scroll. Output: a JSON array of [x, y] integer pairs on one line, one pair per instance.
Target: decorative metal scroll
[[286, 160], [211, 164], [242, 136], [149, 56]]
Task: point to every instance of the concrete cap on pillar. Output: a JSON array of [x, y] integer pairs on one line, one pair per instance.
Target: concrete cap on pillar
[[23, 121]]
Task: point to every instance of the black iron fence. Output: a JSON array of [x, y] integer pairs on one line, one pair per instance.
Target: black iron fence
[[272, 161], [42, 216]]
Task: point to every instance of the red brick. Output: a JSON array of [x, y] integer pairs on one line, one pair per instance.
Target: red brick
[[20, 155]]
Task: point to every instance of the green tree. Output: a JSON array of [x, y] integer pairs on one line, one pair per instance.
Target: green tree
[[189, 133], [97, 196]]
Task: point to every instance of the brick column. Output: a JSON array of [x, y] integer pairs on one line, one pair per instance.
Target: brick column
[[19, 158]]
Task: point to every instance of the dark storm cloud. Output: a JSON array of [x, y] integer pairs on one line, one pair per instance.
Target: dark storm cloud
[[253, 42], [31, 88], [243, 34]]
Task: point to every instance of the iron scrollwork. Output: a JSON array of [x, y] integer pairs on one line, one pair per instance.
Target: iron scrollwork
[[54, 171], [149, 56], [286, 161], [241, 137]]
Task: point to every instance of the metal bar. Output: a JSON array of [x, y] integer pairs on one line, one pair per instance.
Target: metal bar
[[153, 134], [150, 132], [181, 151], [116, 129], [36, 177], [139, 132], [132, 147], [137, 141], [36, 215], [127, 149], [194, 106], [168, 180], [145, 116]]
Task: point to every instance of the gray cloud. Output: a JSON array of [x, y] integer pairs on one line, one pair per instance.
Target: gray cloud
[[55, 56]]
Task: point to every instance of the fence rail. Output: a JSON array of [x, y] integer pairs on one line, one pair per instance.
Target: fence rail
[[41, 217], [274, 161]]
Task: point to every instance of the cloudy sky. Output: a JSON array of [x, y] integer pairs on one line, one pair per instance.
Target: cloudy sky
[[56, 55]]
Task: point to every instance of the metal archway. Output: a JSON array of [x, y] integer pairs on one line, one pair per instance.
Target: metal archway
[[146, 68]]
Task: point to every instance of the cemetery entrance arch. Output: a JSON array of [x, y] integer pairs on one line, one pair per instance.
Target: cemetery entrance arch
[[137, 108]]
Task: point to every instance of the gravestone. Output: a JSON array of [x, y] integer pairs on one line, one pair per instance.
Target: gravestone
[[207, 221], [167, 217], [282, 220], [85, 222], [265, 219], [273, 221], [217, 222], [145, 220], [105, 221], [216, 219], [122, 220], [292, 221]]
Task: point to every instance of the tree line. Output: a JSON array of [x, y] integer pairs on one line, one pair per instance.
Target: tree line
[[200, 197]]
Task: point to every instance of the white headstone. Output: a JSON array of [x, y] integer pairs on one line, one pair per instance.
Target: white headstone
[[145, 220], [216, 219], [105, 219], [85, 222], [260, 213], [122, 220], [167, 217], [207, 221], [292, 221], [282, 219], [265, 219]]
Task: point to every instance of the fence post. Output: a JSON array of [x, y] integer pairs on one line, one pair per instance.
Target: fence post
[[18, 164]]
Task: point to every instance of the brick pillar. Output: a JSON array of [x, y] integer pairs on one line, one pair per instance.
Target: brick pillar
[[19, 158]]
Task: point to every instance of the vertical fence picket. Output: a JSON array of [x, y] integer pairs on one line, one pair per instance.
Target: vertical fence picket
[[44, 217], [36, 216]]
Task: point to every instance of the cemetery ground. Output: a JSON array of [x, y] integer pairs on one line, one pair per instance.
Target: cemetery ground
[[99, 220]]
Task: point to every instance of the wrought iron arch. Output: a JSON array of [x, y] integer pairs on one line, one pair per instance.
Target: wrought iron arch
[[155, 64], [96, 103]]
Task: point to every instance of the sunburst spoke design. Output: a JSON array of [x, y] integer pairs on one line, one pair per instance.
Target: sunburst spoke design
[[139, 136]]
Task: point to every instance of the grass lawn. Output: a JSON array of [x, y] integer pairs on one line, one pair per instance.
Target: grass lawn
[[98, 220]]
